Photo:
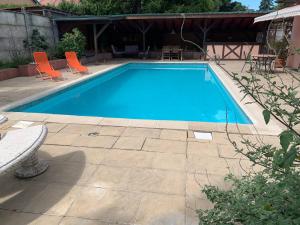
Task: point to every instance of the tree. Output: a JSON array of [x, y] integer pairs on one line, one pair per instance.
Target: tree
[[266, 5], [228, 6], [286, 3], [110, 7]]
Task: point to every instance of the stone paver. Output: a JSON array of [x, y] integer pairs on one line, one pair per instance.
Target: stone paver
[[111, 131], [14, 218], [55, 127], [110, 177], [141, 132], [120, 158], [115, 207], [80, 221], [180, 135], [210, 165], [202, 149], [159, 181], [61, 139], [80, 129], [228, 151], [176, 162], [134, 143], [167, 146], [67, 172], [165, 209], [55, 199], [94, 141]]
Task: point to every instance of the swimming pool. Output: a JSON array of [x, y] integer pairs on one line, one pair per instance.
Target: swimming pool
[[157, 91]]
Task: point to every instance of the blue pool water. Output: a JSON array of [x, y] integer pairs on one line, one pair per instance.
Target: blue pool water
[[159, 91]]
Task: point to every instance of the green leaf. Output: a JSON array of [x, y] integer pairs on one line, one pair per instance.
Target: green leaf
[[267, 116], [286, 137], [290, 157]]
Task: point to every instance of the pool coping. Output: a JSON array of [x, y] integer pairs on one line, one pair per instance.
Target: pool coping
[[258, 126]]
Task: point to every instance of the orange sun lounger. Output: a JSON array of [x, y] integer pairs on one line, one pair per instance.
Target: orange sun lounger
[[74, 63], [43, 65]]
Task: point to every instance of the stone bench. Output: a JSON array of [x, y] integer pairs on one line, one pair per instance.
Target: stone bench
[[18, 151]]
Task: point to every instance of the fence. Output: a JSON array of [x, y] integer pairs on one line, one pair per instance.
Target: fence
[[15, 27]]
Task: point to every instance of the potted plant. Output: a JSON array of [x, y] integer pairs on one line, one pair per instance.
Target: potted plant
[[281, 49]]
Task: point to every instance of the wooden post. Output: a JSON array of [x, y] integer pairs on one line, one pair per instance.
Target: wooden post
[[205, 30], [98, 34], [144, 30], [95, 39]]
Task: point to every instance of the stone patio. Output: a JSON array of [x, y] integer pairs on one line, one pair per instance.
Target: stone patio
[[110, 171]]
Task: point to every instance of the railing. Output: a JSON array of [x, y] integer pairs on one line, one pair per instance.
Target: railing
[[234, 51]]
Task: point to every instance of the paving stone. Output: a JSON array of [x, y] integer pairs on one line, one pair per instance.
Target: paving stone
[[7, 124], [167, 146], [202, 149], [141, 132], [57, 153], [210, 165], [90, 155], [17, 218], [73, 119], [114, 122], [55, 199], [111, 131], [168, 124], [228, 151], [17, 195], [110, 177], [165, 210], [80, 129], [80, 221], [159, 181], [116, 206], [38, 117], [121, 158], [220, 138], [168, 161], [180, 135], [55, 127], [240, 167], [61, 139], [134, 143], [195, 182], [67, 172], [95, 141], [192, 217], [142, 123]]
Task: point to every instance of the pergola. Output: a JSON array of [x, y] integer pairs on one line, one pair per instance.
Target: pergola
[[203, 27]]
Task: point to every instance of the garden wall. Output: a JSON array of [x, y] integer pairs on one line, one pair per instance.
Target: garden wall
[[16, 27]]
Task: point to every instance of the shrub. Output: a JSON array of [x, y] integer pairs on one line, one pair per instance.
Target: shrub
[[271, 196], [74, 41], [15, 62], [37, 42]]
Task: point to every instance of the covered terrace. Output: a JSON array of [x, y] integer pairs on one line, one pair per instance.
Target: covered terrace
[[228, 35]]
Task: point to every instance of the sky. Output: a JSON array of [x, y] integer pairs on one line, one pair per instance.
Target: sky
[[252, 4]]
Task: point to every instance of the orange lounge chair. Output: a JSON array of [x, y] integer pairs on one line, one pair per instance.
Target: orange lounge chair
[[43, 66], [74, 63]]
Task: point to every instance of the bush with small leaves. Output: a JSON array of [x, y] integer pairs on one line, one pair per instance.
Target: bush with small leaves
[[74, 41]]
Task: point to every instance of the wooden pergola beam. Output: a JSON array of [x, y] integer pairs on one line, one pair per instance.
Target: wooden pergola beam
[[144, 29], [205, 28], [98, 34]]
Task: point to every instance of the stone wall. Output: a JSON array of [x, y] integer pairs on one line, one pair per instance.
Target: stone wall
[[16, 27]]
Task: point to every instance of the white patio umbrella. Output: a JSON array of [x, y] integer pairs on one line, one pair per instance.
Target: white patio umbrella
[[283, 13]]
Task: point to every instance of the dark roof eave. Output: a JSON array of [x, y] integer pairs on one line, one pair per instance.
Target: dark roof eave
[[213, 15]]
